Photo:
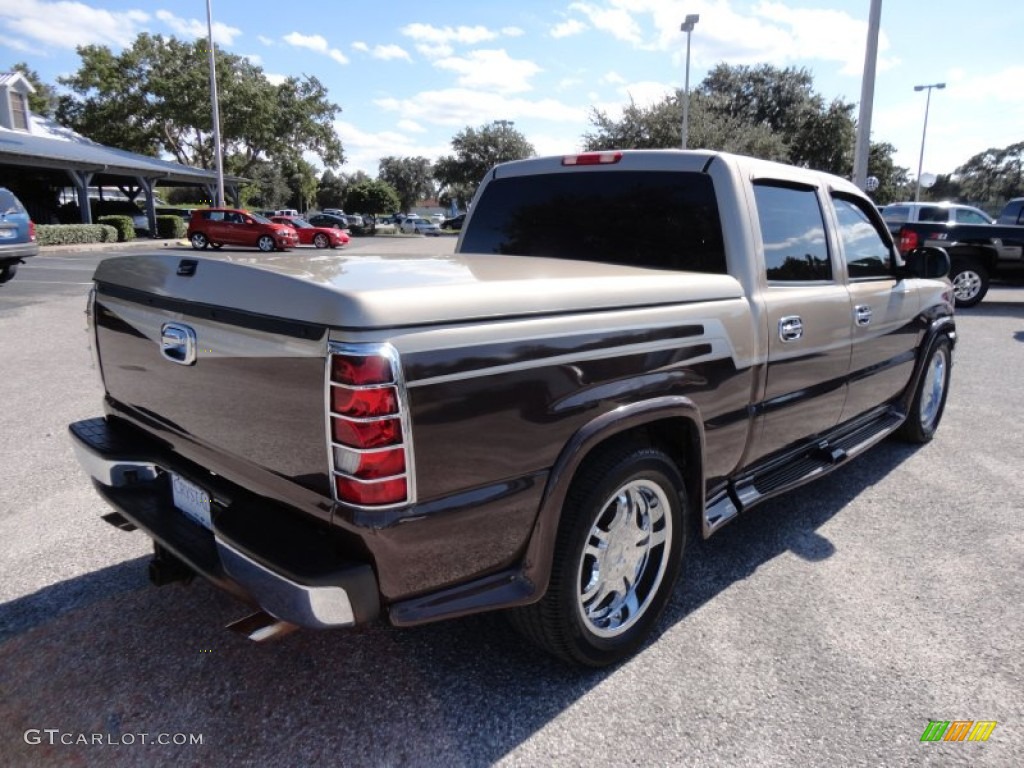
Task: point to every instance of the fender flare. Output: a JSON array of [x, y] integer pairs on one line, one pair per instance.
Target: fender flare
[[938, 328], [536, 563]]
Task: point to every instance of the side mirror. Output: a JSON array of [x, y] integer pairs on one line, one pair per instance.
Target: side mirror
[[927, 261]]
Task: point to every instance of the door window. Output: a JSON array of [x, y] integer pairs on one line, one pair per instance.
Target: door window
[[793, 232], [866, 253]]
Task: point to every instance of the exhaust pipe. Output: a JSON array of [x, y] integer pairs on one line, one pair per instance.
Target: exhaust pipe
[[261, 627]]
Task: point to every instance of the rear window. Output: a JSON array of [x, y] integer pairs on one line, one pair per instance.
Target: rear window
[[933, 213], [658, 220], [896, 213], [9, 203]]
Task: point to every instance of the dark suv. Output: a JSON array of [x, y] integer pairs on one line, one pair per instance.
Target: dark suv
[[17, 235]]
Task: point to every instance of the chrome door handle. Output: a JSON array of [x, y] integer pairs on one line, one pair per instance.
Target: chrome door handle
[[791, 328], [862, 314]]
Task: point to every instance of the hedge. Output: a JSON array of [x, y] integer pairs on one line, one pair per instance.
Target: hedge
[[170, 227], [123, 224], [74, 234]]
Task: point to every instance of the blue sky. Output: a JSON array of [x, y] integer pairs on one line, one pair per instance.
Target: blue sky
[[409, 76]]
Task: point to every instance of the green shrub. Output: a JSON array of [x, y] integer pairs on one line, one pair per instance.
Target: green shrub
[[123, 224], [75, 234], [170, 227]]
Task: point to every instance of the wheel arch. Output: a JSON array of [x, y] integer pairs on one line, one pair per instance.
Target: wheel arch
[[985, 255], [672, 424], [940, 327]]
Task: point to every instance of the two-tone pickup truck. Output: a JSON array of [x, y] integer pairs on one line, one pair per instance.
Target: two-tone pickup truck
[[537, 422], [978, 252]]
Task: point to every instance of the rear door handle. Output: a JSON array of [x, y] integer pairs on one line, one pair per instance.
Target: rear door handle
[[791, 328], [862, 314]]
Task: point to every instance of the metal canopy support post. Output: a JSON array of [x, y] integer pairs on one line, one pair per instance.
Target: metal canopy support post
[[81, 180], [147, 188], [862, 149]]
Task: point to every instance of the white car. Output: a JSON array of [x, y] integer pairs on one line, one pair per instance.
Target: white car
[[419, 226]]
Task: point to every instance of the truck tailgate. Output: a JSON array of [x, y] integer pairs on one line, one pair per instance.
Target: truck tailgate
[[251, 386]]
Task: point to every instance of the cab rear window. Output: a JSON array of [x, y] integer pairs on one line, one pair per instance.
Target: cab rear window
[[646, 219]]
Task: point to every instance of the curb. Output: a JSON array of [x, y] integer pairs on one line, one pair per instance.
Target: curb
[[53, 250]]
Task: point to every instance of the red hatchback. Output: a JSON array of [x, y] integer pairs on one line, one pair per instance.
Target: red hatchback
[[321, 237], [230, 226]]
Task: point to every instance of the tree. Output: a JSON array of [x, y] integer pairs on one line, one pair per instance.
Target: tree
[[373, 197], [268, 190], [302, 183], [992, 177], [153, 98], [331, 191], [44, 100], [476, 152], [893, 180], [410, 177]]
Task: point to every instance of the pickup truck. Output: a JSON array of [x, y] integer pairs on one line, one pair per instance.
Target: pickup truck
[[978, 252], [537, 422]]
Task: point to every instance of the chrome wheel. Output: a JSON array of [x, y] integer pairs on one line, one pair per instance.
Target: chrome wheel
[[624, 560], [321, 241], [933, 390], [199, 241], [265, 243], [966, 285]]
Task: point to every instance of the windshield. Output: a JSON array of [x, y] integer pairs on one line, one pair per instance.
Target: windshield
[[260, 219], [299, 223], [661, 220]]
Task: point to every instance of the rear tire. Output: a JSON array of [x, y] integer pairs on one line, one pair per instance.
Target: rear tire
[[616, 560], [930, 398], [970, 282], [199, 241], [7, 273]]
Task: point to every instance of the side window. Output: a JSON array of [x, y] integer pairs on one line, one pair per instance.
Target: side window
[[793, 231], [965, 216], [896, 214], [865, 251], [215, 216], [933, 213]]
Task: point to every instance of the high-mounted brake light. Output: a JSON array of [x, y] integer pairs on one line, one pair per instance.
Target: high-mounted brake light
[[370, 449], [592, 158], [908, 240]]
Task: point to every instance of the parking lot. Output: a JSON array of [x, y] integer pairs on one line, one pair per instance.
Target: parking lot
[[828, 627]]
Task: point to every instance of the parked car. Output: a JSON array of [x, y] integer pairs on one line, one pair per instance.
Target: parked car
[[121, 208], [334, 211], [1013, 212], [437, 218], [898, 214], [286, 212], [455, 222], [228, 226], [17, 235], [334, 220], [321, 237], [419, 226]]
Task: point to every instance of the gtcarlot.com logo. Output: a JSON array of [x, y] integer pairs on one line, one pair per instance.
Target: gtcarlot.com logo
[[958, 730], [56, 737]]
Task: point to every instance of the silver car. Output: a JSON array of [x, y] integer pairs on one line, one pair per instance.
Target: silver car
[[420, 227]]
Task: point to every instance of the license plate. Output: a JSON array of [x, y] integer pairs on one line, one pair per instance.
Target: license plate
[[7, 233], [192, 500]]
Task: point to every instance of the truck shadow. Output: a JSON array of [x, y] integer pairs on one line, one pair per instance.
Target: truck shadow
[[107, 653]]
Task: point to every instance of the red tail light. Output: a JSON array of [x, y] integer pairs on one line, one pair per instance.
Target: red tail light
[[370, 446], [908, 240], [31, 231]]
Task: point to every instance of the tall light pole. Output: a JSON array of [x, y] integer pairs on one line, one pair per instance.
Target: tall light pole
[[687, 27], [927, 104], [216, 109]]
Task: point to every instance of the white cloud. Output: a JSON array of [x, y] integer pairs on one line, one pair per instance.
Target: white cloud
[[274, 78], [568, 82], [363, 150], [389, 52], [68, 24], [435, 50], [428, 33], [317, 43], [265, 40], [194, 28], [613, 78], [459, 107], [411, 126], [512, 32], [617, 21], [359, 45], [254, 58], [491, 69], [568, 28]]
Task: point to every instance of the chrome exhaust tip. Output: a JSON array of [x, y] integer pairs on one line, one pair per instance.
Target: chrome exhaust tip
[[261, 627]]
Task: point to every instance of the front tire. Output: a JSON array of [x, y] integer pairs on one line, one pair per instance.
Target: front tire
[[930, 397], [199, 241], [617, 556], [320, 240], [970, 282], [266, 244]]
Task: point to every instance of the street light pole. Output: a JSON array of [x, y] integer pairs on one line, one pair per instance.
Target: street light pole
[[920, 159], [862, 147], [216, 109], [687, 27]]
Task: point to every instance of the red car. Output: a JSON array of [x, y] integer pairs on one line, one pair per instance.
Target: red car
[[321, 237], [230, 226]]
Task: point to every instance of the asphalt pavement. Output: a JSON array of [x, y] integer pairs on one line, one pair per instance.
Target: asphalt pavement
[[828, 627]]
